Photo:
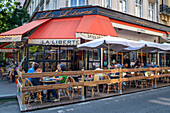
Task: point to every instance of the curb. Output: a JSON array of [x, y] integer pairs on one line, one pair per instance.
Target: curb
[[11, 96]]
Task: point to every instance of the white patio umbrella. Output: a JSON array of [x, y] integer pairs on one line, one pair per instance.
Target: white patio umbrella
[[149, 47], [110, 42]]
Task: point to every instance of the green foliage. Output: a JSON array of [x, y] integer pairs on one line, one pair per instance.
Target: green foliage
[[35, 48], [12, 15]]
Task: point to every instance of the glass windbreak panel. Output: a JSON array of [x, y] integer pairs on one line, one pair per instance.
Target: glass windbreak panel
[[66, 53], [51, 66], [52, 53], [36, 52]]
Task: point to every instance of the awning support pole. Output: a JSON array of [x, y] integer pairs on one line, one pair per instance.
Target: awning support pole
[[108, 56]]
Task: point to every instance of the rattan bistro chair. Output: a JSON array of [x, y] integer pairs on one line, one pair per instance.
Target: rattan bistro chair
[[65, 91], [109, 85], [33, 93], [96, 78], [141, 83], [73, 89]]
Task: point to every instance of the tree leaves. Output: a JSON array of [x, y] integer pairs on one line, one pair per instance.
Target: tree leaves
[[12, 15]]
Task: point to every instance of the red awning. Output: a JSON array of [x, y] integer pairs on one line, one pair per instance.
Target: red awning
[[96, 24], [5, 44], [57, 29], [25, 28], [168, 33], [66, 28]]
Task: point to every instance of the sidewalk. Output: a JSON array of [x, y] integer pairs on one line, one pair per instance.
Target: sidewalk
[[7, 90]]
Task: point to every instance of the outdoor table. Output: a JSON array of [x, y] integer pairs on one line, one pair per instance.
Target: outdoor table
[[86, 79], [48, 81]]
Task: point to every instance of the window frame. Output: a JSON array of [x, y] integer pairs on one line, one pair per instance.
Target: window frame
[[122, 6], [139, 5], [77, 1], [151, 9], [110, 5]]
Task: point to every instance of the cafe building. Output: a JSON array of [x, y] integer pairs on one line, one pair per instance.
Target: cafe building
[[51, 36]]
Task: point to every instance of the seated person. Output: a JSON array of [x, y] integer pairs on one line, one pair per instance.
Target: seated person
[[99, 74], [142, 66], [126, 66], [36, 81], [31, 70], [61, 80]]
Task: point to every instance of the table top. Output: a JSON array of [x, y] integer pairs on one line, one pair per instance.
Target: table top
[[48, 81]]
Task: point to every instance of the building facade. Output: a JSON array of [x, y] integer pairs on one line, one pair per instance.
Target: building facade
[[164, 12], [60, 25], [147, 9]]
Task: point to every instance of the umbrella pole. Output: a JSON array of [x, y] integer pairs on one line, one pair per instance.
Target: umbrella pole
[[141, 56], [108, 56], [158, 57]]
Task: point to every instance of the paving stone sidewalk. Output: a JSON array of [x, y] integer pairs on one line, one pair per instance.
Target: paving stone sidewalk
[[7, 90]]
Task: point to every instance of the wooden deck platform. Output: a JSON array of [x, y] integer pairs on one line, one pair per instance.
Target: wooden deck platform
[[77, 99]]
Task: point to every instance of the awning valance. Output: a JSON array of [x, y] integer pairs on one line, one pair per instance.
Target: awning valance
[[94, 27], [16, 34]]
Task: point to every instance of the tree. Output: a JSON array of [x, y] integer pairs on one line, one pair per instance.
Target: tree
[[12, 15]]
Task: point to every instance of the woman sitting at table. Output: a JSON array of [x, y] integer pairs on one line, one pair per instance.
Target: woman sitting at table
[[60, 80]]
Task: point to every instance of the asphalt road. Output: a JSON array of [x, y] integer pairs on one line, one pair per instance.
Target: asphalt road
[[151, 101]]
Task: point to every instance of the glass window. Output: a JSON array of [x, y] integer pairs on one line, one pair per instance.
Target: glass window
[[77, 2], [123, 5], [151, 11], [94, 55], [108, 3], [55, 4], [73, 3], [138, 8], [47, 6], [82, 2], [35, 52]]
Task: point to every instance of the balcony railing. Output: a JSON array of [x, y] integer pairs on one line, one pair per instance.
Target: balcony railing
[[165, 9]]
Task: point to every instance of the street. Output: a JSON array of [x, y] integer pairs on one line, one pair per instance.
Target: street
[[151, 101]]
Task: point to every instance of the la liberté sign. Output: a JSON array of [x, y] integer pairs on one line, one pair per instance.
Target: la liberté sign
[[65, 42]]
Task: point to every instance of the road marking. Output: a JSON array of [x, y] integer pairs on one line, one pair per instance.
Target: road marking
[[60, 111], [166, 99], [71, 109], [84, 103], [159, 102], [116, 100], [55, 108]]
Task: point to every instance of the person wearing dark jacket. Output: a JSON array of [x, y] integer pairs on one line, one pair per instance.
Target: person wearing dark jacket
[[126, 60]]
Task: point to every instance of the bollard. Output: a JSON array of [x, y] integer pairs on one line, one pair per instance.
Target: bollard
[[120, 86], [155, 78], [82, 90]]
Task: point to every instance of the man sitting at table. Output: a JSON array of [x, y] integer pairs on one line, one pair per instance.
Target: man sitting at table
[[60, 80], [143, 66], [99, 74]]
